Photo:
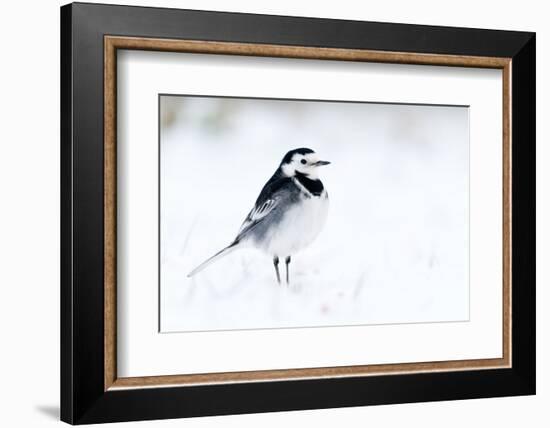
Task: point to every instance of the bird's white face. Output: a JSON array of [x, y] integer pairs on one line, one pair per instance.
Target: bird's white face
[[307, 164]]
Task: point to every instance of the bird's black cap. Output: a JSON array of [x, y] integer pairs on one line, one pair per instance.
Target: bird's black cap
[[301, 151]]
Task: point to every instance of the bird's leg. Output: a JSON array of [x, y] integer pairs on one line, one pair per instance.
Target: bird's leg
[[287, 263], [276, 264]]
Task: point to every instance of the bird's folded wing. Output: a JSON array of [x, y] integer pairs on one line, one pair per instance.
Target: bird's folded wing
[[257, 213], [274, 191]]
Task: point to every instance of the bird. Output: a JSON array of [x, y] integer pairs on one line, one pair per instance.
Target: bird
[[290, 212]]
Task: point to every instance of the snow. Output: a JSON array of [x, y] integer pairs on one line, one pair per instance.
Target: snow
[[395, 246]]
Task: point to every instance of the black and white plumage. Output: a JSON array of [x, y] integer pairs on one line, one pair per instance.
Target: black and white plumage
[[289, 213]]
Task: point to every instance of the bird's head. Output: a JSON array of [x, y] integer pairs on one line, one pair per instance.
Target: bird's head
[[303, 161]]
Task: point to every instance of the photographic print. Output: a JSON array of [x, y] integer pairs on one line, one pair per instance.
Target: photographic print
[[309, 213]]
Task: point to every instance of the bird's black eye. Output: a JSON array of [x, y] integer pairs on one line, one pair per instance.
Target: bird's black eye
[[303, 161]]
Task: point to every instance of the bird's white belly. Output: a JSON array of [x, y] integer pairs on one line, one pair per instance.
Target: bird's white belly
[[299, 227]]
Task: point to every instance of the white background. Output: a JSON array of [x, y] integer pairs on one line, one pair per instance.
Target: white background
[[29, 231], [397, 148], [144, 352]]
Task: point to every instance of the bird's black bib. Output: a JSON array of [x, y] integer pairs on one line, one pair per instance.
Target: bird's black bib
[[315, 187]]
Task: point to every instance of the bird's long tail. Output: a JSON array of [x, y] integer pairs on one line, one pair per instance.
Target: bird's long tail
[[230, 248]]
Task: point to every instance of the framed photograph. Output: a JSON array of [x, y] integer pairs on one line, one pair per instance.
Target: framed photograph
[[265, 213]]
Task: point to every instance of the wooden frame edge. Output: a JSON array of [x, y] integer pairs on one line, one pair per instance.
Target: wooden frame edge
[[109, 198], [507, 213], [301, 52], [112, 43], [308, 373]]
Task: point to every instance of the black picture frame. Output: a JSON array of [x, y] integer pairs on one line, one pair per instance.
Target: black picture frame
[[83, 397]]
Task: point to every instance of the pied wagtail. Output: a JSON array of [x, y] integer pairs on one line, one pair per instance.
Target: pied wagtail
[[289, 213]]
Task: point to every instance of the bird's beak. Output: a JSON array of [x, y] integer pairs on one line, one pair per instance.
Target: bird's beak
[[321, 163]]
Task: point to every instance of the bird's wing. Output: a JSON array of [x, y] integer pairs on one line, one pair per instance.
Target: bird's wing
[[268, 200], [257, 214]]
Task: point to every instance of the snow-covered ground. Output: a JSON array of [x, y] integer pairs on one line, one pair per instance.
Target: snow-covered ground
[[395, 246]]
